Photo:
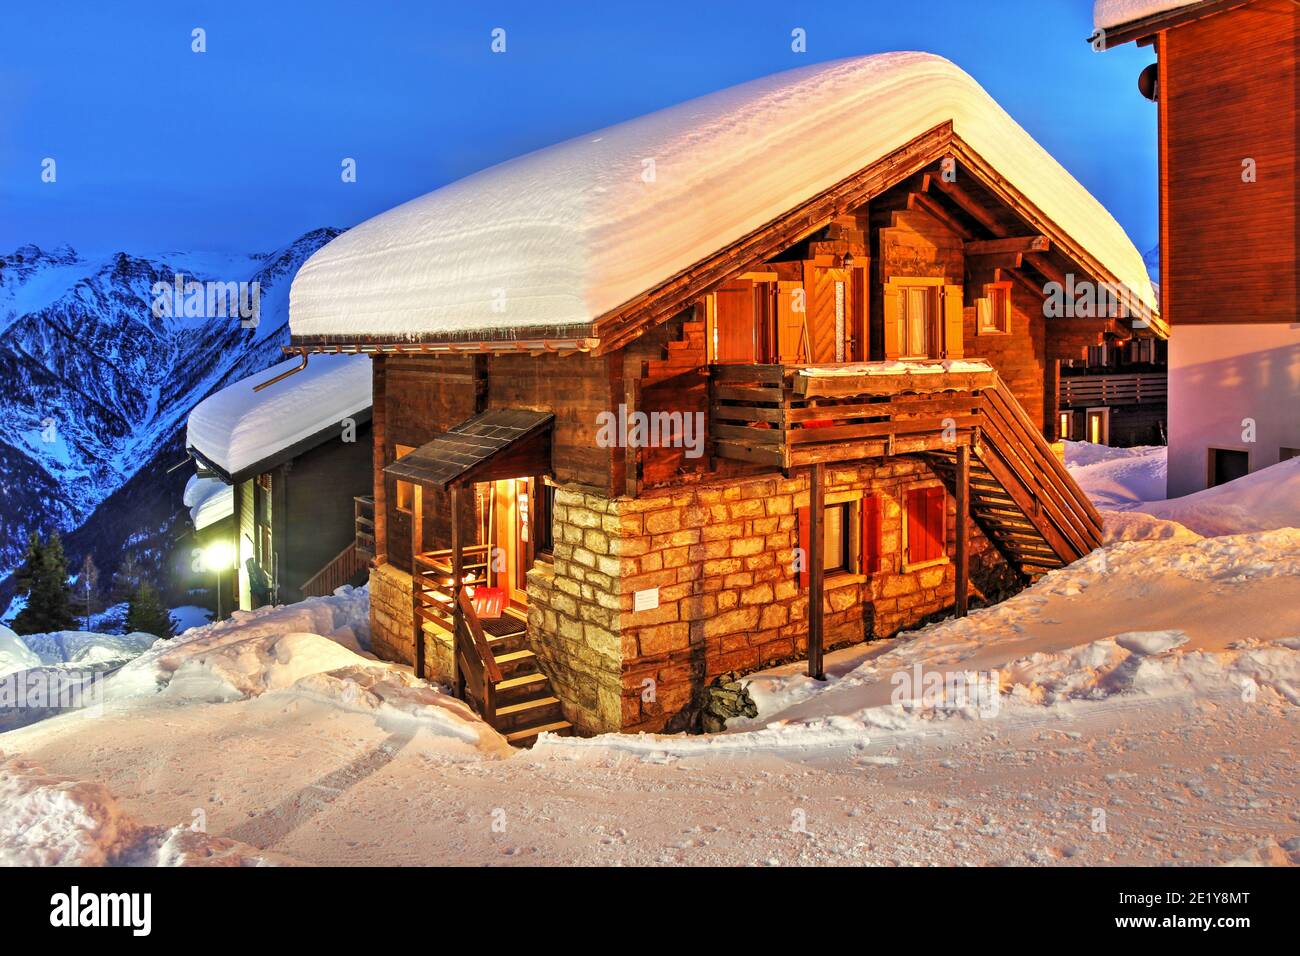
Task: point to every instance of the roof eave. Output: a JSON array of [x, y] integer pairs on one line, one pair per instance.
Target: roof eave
[[288, 453], [1120, 34]]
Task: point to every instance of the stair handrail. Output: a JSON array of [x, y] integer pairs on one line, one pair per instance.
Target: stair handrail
[[478, 641], [355, 565], [1021, 418]]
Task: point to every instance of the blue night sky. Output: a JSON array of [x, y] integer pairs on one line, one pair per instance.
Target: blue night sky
[[239, 148]]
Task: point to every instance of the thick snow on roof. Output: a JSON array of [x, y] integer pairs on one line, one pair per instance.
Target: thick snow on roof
[[209, 500], [237, 427], [562, 235], [1113, 13]]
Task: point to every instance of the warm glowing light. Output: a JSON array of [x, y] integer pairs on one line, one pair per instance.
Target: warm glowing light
[[217, 556]]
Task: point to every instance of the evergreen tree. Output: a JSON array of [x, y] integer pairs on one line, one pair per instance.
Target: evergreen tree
[[145, 612], [43, 579]]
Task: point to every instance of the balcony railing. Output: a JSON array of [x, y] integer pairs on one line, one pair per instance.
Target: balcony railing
[[363, 516], [786, 416], [1133, 388]]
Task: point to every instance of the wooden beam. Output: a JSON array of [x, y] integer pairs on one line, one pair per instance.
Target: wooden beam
[[996, 260], [417, 545], [988, 247], [931, 207], [457, 574], [963, 534], [971, 207], [816, 558], [1048, 268], [631, 454]]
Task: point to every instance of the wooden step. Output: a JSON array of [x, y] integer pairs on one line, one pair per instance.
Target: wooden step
[[527, 713], [525, 687], [527, 736], [515, 663]]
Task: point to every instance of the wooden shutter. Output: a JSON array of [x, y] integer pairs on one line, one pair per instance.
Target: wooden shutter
[[734, 318], [805, 544], [789, 323], [925, 524], [952, 322], [893, 308], [870, 519], [820, 285]]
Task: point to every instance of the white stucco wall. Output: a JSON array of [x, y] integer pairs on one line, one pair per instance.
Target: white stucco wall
[[1220, 375]]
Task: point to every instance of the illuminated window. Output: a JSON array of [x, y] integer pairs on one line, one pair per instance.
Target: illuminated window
[[1064, 426]]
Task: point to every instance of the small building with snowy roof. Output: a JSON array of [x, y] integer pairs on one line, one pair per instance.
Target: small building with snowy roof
[[280, 459], [767, 372]]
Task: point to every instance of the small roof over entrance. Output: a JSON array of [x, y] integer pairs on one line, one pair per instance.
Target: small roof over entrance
[[496, 444]]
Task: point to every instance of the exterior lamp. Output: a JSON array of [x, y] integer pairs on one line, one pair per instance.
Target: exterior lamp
[[218, 557]]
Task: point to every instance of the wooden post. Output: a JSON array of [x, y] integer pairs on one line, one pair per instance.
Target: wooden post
[[417, 582], [457, 574], [963, 536], [816, 568], [631, 454]]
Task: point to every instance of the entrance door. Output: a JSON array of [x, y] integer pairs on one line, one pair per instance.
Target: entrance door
[[1228, 465], [513, 550]]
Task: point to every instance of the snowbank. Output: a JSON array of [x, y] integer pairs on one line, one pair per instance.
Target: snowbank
[[87, 647], [565, 234], [1113, 13], [15, 655], [1114, 477], [50, 820], [897, 368], [237, 427], [1261, 501]]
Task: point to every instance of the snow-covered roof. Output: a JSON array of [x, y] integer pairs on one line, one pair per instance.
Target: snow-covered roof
[[209, 500], [1113, 13], [561, 236], [237, 427]]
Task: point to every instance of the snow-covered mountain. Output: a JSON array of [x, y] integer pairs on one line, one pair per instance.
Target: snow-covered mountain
[[96, 384]]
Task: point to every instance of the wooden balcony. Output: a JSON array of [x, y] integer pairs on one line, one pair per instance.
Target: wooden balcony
[[788, 416], [1130, 388], [363, 519]]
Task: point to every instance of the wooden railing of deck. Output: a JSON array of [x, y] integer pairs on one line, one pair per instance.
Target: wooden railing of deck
[[772, 415], [1134, 388], [341, 569], [433, 576], [363, 517]]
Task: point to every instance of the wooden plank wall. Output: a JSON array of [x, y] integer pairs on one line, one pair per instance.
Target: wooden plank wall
[[1228, 86]]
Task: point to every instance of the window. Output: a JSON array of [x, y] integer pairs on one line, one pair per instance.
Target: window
[[1227, 465], [1064, 425], [545, 522], [851, 532], [1286, 454], [920, 314], [925, 525], [994, 310], [405, 491]]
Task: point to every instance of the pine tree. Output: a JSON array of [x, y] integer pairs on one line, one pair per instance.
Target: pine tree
[[126, 579], [43, 579], [146, 613]]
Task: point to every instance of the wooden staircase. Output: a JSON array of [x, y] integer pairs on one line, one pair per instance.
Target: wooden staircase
[[496, 671], [523, 702], [1021, 495]]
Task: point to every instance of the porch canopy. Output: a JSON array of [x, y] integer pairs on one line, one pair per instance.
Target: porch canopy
[[496, 444]]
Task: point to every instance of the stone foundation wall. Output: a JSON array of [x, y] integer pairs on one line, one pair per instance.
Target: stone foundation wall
[[392, 625], [722, 556], [573, 614]]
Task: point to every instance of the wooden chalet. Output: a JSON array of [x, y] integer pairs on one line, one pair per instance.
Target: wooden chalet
[[876, 382], [284, 527], [1226, 85], [1116, 394]]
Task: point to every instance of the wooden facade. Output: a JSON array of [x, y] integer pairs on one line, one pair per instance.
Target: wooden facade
[[874, 378], [1227, 97]]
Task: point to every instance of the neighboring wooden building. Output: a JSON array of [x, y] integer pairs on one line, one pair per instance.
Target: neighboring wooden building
[[1116, 394], [864, 372], [292, 457], [1225, 83]]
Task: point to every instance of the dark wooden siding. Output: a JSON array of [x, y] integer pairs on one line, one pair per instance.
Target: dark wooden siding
[[1228, 87]]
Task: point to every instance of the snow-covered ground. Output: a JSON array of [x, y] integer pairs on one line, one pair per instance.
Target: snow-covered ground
[[1138, 707]]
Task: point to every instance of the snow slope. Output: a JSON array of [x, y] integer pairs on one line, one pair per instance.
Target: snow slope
[[238, 427], [562, 235], [15, 655]]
